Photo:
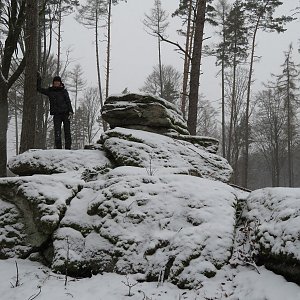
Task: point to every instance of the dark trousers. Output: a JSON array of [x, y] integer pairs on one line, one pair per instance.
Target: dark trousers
[[58, 119]]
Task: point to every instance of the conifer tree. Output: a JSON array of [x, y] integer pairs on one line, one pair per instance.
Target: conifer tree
[[260, 16]]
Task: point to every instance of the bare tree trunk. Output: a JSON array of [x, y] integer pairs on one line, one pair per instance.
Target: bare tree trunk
[[30, 92], [195, 66], [16, 122], [98, 68], [232, 111], [187, 61], [223, 90], [108, 49], [289, 125], [40, 101], [159, 55], [160, 69], [3, 127], [247, 131], [59, 38]]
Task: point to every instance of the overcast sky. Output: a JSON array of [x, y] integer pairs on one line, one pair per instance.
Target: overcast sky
[[134, 52]]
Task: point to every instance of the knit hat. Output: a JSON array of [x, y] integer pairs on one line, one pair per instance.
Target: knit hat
[[57, 78]]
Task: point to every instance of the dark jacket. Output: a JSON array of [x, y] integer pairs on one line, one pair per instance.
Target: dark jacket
[[59, 99]]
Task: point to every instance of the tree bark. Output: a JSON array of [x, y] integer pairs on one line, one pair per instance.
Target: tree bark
[[16, 122], [289, 125], [187, 61], [3, 128], [195, 66], [108, 49], [98, 67], [223, 89], [59, 38], [30, 91]]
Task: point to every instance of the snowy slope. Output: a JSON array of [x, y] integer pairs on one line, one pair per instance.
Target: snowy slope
[[232, 284]]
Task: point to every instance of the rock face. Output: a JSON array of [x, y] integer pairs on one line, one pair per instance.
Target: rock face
[[31, 209], [154, 151], [275, 212], [176, 226], [145, 112]]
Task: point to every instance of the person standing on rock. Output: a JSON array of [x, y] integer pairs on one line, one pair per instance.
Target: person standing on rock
[[60, 108]]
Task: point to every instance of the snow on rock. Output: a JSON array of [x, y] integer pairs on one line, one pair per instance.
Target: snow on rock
[[57, 161], [12, 231], [143, 111], [169, 227], [204, 142], [276, 214], [31, 209], [153, 151]]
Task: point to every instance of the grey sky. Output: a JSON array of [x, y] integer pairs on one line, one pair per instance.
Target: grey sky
[[134, 52]]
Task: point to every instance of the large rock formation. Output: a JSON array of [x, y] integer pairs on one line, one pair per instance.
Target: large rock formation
[[175, 226], [151, 113], [275, 213], [145, 112], [154, 152], [138, 210]]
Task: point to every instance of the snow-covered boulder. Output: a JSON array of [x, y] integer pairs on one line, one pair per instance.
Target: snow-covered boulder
[[153, 151], [204, 142], [145, 112], [31, 209], [57, 161], [275, 212], [178, 228]]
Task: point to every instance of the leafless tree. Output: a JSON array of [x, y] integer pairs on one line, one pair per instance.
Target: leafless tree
[[156, 24]]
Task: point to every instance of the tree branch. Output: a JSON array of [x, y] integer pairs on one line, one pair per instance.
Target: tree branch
[[174, 44], [17, 73]]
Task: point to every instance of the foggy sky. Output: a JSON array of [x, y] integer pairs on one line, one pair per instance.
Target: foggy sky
[[134, 52]]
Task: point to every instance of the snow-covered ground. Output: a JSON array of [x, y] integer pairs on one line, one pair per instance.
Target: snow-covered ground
[[38, 282]]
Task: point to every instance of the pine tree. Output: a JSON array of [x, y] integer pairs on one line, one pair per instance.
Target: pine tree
[[286, 82], [233, 52], [222, 10], [260, 16]]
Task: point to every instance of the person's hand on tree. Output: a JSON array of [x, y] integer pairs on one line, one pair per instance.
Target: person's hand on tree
[[70, 115]]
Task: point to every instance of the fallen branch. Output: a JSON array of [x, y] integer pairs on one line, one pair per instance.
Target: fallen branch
[[35, 295]]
